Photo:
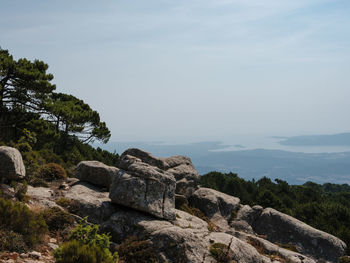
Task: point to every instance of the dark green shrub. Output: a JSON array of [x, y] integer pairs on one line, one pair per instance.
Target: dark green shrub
[[53, 171], [32, 161], [133, 250], [57, 219], [21, 190], [12, 241], [288, 246], [86, 245], [16, 217], [38, 182], [221, 252], [72, 206], [345, 259], [63, 201], [75, 252]]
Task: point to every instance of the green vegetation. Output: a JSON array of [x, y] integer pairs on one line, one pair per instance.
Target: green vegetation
[[52, 171], [20, 191], [12, 241], [47, 127], [345, 259], [57, 219], [325, 207], [221, 253], [288, 246], [72, 206], [133, 250], [20, 228], [86, 245]]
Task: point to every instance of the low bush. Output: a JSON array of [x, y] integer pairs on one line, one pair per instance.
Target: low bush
[[86, 245], [18, 218], [133, 250], [72, 206], [38, 182], [221, 253], [345, 259], [53, 171], [288, 246], [57, 219], [257, 244], [75, 252], [12, 241], [21, 190]]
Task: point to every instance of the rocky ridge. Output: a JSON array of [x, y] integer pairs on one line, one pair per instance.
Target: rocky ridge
[[138, 199]]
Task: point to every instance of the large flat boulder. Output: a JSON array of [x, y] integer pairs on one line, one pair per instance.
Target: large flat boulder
[[11, 163], [180, 167], [144, 187], [42, 196], [96, 173], [282, 228], [91, 201]]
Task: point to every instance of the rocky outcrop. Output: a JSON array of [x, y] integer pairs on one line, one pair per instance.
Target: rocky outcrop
[[11, 163], [144, 187], [282, 228], [95, 173], [91, 201], [180, 167], [186, 239], [279, 254], [141, 200], [219, 207], [186, 176]]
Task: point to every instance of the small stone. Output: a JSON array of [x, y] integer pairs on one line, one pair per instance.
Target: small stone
[[35, 255], [64, 186], [53, 240], [52, 245]]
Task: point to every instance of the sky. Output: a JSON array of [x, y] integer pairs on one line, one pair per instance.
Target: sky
[[193, 70]]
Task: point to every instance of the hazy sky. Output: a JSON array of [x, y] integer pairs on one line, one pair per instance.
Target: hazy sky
[[194, 69]]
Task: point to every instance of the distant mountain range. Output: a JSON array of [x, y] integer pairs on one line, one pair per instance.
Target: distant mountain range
[[294, 167]]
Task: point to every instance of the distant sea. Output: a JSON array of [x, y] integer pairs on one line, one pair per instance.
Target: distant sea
[[298, 159], [242, 142]]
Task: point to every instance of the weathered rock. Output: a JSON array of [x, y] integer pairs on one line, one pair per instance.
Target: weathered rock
[[186, 239], [277, 252], [187, 245], [219, 207], [11, 163], [249, 214], [144, 187], [245, 218], [186, 176], [43, 196], [126, 222], [96, 173], [180, 167], [34, 254], [92, 202], [281, 228]]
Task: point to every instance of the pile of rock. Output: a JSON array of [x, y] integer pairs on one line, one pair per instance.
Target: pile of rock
[[138, 199]]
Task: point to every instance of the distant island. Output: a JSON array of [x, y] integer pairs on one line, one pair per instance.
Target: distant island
[[341, 139]]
